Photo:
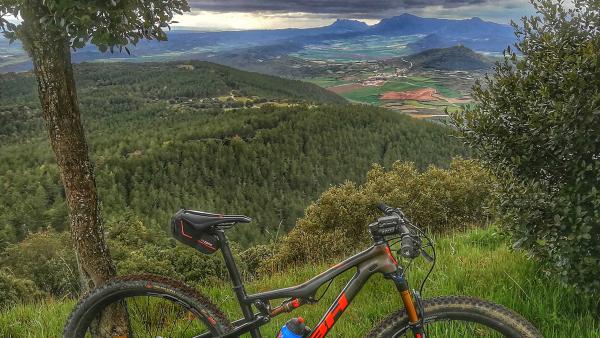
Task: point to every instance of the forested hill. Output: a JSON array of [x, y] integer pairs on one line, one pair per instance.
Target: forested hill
[[120, 88], [451, 59], [156, 152]]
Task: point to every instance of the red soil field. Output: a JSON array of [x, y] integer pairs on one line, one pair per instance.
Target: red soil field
[[347, 88], [423, 94]]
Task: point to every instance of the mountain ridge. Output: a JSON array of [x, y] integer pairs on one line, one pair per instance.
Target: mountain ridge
[[473, 33], [456, 58]]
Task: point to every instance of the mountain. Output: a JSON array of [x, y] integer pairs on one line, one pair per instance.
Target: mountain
[[189, 44], [484, 43], [407, 24], [450, 59], [238, 47], [474, 33], [348, 25]]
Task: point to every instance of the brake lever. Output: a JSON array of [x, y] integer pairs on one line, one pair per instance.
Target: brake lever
[[426, 256]]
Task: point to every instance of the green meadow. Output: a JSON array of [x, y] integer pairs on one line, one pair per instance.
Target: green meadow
[[475, 263]]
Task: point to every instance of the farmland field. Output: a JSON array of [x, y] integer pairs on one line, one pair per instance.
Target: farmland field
[[450, 90], [370, 47], [364, 69]]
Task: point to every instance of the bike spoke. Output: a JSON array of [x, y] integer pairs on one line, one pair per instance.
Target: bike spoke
[[153, 317]]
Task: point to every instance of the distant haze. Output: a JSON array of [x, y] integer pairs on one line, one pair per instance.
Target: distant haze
[[273, 14]]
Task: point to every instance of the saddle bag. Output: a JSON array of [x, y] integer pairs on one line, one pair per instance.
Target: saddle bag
[[201, 240]]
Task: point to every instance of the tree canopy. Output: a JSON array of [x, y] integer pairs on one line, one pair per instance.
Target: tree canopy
[[106, 24], [537, 123]]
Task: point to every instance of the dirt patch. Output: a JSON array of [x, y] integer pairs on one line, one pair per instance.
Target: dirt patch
[[345, 88], [424, 116], [423, 94], [463, 100]]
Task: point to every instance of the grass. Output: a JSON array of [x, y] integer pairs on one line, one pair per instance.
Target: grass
[[371, 94], [475, 263], [326, 82]]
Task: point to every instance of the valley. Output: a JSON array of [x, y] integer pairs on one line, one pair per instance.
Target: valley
[[205, 136], [418, 93], [422, 85], [389, 64]]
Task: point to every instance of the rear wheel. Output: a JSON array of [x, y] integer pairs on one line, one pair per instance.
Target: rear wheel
[[459, 317], [152, 306]]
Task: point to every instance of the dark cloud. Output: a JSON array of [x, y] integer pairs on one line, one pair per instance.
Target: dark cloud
[[354, 8]]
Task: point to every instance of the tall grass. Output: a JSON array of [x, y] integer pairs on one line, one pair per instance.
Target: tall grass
[[475, 263]]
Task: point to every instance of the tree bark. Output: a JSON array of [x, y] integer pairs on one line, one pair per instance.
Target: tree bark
[[51, 57], [50, 51]]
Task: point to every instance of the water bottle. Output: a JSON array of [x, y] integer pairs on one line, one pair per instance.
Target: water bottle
[[294, 328]]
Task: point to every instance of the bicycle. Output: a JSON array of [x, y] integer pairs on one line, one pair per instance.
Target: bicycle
[[176, 310]]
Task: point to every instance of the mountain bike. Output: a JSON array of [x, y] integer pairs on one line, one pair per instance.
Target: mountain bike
[[156, 306]]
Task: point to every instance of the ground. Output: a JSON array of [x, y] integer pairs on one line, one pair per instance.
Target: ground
[[475, 263]]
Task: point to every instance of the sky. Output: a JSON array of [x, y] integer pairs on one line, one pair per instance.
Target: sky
[[272, 14], [275, 14]]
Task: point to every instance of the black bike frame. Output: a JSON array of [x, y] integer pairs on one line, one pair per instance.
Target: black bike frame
[[376, 259]]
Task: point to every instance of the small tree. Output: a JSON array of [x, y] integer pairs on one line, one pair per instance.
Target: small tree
[[49, 30], [537, 123]]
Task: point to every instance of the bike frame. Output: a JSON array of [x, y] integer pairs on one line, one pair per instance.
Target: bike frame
[[376, 259]]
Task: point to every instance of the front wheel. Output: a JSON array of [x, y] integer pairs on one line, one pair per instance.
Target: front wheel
[[145, 306], [459, 317]]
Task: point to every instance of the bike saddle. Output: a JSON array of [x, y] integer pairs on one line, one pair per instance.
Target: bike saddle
[[201, 221]]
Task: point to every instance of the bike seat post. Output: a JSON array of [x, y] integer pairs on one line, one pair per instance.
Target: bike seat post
[[236, 279]]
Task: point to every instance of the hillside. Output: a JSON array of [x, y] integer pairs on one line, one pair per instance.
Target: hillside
[[164, 136], [189, 79], [256, 46], [469, 264], [474, 33], [185, 44], [450, 59]]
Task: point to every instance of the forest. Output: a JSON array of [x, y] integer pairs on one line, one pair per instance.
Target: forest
[[507, 196], [153, 156]]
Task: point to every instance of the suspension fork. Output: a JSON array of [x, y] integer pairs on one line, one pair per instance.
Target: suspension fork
[[414, 317]]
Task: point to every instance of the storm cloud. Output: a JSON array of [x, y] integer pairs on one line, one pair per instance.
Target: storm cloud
[[349, 8]]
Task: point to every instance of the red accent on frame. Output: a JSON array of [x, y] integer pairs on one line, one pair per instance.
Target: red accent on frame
[[331, 317], [389, 253], [320, 331], [295, 303], [183, 232]]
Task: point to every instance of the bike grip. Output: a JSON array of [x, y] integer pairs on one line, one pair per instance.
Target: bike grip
[[408, 248], [383, 207]]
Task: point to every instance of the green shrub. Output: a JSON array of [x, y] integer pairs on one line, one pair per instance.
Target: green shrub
[[196, 268], [254, 256], [436, 199], [46, 258], [537, 123], [138, 249], [14, 290]]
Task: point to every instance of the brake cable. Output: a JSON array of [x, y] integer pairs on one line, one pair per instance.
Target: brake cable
[[433, 261], [324, 292]]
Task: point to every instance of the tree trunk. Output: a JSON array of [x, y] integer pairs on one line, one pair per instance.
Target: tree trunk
[[50, 51], [51, 57]]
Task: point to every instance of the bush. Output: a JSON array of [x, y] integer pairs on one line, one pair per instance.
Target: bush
[[437, 199], [46, 258], [254, 256], [138, 249], [536, 123], [15, 290]]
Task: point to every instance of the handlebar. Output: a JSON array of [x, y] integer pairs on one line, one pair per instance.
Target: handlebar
[[384, 208], [395, 223]]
